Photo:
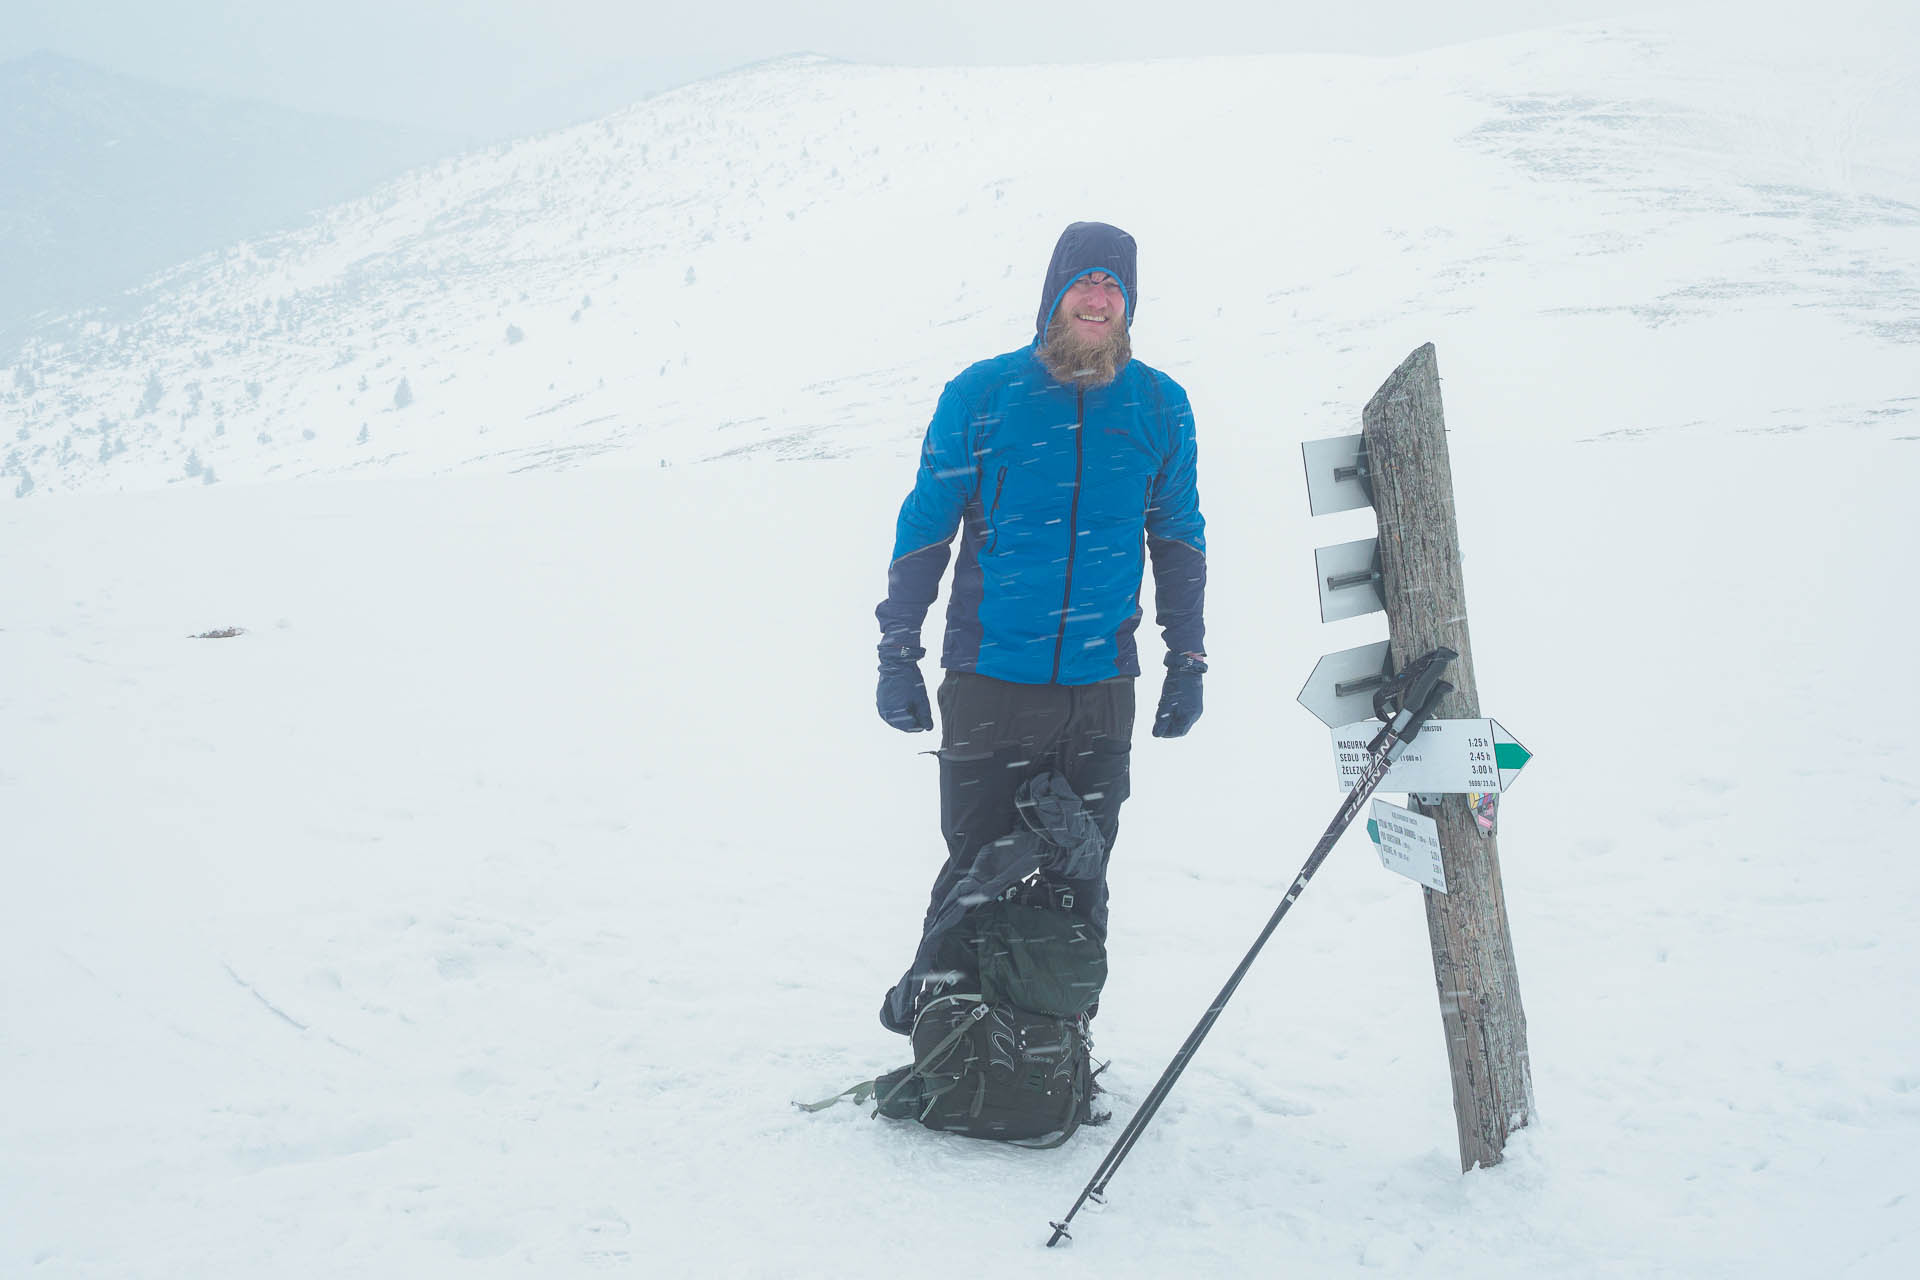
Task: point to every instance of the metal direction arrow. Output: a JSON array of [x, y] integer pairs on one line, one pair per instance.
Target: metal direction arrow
[[1349, 575], [1340, 690], [1508, 755], [1336, 474], [1408, 843], [1448, 756]]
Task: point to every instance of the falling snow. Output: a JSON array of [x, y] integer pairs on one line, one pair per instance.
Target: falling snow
[[478, 905]]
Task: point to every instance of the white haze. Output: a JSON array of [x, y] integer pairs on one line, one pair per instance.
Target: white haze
[[505, 68], [481, 909]]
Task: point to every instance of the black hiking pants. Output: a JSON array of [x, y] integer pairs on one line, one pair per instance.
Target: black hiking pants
[[994, 735]]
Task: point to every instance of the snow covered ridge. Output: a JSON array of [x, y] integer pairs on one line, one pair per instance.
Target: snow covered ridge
[[482, 908], [789, 260]]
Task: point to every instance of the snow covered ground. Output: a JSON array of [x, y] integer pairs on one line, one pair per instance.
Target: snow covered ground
[[481, 908]]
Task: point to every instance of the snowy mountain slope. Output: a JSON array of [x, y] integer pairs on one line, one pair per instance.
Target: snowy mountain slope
[[584, 292], [466, 918], [481, 909], [105, 179]]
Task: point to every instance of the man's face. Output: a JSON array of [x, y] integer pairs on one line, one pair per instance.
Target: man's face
[[1093, 308], [1087, 342]]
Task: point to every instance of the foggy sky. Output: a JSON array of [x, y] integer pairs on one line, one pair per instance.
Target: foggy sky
[[497, 67]]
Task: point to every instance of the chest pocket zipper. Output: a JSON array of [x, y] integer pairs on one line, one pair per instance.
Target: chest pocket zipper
[[993, 529]]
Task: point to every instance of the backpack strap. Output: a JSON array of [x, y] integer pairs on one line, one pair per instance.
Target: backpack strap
[[866, 1089], [934, 1054], [1059, 1139], [858, 1094], [1081, 1088]]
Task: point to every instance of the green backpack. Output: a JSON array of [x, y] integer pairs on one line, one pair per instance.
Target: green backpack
[[1011, 1061]]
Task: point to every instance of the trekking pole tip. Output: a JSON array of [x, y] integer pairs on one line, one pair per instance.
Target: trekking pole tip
[[1059, 1233]]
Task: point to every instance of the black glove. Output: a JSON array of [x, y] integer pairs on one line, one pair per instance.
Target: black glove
[[902, 696], [1179, 696]]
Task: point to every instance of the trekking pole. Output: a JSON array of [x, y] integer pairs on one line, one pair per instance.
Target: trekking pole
[[1405, 703]]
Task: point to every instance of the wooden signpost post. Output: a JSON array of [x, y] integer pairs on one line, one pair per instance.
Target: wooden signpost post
[[1412, 571]]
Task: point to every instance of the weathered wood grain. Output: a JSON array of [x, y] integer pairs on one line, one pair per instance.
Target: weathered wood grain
[[1473, 963]]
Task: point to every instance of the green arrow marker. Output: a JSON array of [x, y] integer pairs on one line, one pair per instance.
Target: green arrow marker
[[1373, 831], [1510, 755]]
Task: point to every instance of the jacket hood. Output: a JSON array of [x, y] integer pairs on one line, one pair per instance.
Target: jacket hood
[[1086, 247]]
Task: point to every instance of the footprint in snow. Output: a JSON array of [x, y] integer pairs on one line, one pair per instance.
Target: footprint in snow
[[604, 1230]]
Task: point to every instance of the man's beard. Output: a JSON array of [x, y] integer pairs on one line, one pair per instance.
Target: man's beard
[[1088, 364]]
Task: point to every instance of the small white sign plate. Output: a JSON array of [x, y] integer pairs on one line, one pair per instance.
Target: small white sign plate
[[1330, 487], [1448, 755], [1345, 573], [1409, 844], [1364, 667]]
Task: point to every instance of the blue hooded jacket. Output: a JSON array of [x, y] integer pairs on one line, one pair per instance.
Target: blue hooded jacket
[[1059, 493]]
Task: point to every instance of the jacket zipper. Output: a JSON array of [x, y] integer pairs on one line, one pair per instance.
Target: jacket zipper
[[1073, 520], [993, 510]]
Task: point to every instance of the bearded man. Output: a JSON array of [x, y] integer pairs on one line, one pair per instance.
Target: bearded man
[[1065, 466]]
